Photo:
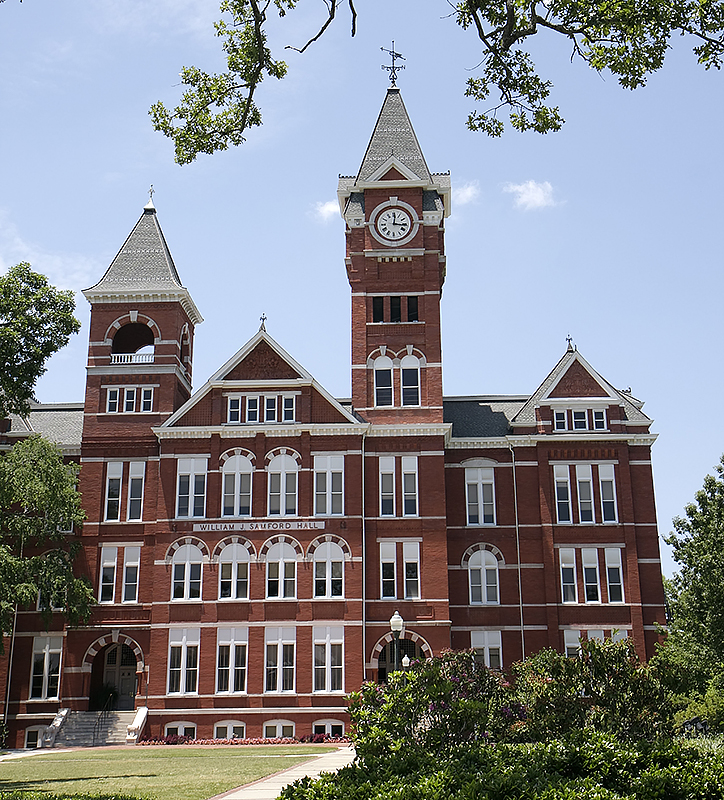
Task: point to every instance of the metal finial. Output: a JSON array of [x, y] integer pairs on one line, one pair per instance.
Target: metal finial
[[151, 193], [263, 318], [571, 346], [395, 68]]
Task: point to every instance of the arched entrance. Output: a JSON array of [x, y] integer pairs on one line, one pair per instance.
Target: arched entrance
[[115, 664], [119, 672]]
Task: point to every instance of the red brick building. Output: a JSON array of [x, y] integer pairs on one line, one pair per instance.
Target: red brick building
[[250, 541]]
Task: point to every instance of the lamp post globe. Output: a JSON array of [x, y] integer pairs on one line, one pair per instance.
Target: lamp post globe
[[396, 624]]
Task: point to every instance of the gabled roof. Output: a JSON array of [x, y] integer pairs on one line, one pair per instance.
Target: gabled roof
[[574, 378], [394, 137], [143, 269], [260, 360]]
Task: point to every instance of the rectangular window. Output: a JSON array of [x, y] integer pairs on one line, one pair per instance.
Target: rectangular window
[[383, 387], [585, 492], [231, 658], [234, 580], [45, 676], [131, 563], [412, 309], [183, 661], [270, 409], [328, 483], [395, 309], [146, 399], [234, 410], [108, 574], [388, 570], [280, 659], [112, 401], [378, 309], [614, 575], [563, 492], [252, 409], [480, 484], [409, 486], [559, 420], [191, 495], [568, 575], [328, 659], [288, 409], [580, 420], [599, 420], [282, 493], [608, 493], [488, 647], [387, 486], [136, 473], [129, 403], [411, 558], [571, 643], [596, 634], [590, 574], [410, 386], [114, 474]]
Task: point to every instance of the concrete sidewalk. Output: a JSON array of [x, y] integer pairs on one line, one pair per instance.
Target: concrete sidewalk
[[269, 788]]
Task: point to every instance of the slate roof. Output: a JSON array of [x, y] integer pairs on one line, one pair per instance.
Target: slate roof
[[483, 416], [393, 136], [61, 423]]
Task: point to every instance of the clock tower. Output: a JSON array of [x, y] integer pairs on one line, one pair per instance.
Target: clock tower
[[394, 210]]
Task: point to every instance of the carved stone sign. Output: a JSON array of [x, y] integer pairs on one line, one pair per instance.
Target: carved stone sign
[[262, 525]]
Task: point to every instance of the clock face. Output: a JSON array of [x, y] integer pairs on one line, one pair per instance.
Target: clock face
[[393, 224]]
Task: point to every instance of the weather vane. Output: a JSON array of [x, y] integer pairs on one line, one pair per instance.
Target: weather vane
[[394, 69], [151, 193], [569, 339], [263, 318]]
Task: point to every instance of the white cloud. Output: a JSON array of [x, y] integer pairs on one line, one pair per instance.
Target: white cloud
[[531, 195], [467, 193], [326, 211]]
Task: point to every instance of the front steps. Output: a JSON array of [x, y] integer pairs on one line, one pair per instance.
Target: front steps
[[77, 730]]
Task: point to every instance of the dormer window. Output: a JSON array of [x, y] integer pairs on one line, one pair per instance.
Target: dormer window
[[599, 420], [234, 414], [580, 420], [261, 409], [252, 409], [560, 421]]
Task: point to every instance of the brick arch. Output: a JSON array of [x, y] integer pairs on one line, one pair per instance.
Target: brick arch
[[383, 350], [242, 540], [283, 451], [264, 549], [236, 451], [132, 316], [389, 637], [112, 638], [491, 548], [174, 546], [479, 462], [329, 537]]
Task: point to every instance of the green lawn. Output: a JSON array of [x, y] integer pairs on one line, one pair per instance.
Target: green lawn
[[161, 773]]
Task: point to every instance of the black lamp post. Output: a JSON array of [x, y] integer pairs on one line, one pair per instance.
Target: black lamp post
[[397, 623]]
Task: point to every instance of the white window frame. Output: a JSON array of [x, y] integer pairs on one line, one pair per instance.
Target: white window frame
[[480, 495], [489, 645], [383, 365], [614, 568], [329, 726], [595, 633], [484, 579], [411, 567], [579, 419], [328, 660], [45, 648], [288, 408], [602, 418], [237, 640], [233, 409], [187, 641], [562, 489], [410, 381], [329, 571], [114, 482], [607, 487], [283, 485], [185, 586], [387, 486], [567, 558], [328, 485], [194, 471], [237, 480], [131, 561], [234, 570], [410, 500], [252, 412], [136, 486], [113, 401], [279, 558], [388, 555], [107, 575], [187, 729], [271, 408], [238, 729], [146, 399], [283, 729], [584, 486], [560, 420], [129, 400], [280, 673], [591, 575], [571, 643]]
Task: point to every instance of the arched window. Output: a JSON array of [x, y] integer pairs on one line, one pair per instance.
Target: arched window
[[383, 381], [410, 376], [234, 573], [483, 577], [236, 500], [328, 570], [281, 571], [283, 471], [186, 568]]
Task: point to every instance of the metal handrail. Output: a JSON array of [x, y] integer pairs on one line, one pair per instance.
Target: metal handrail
[[103, 714]]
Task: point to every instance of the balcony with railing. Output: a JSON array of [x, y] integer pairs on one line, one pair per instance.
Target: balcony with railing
[[131, 358]]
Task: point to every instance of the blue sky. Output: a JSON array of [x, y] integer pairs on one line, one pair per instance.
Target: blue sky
[[609, 230]]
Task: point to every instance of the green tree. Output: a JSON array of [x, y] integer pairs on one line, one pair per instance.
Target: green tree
[[36, 320], [39, 505], [627, 38]]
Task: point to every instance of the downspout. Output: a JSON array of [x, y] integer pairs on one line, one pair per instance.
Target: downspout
[[517, 549], [364, 563], [10, 659]]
